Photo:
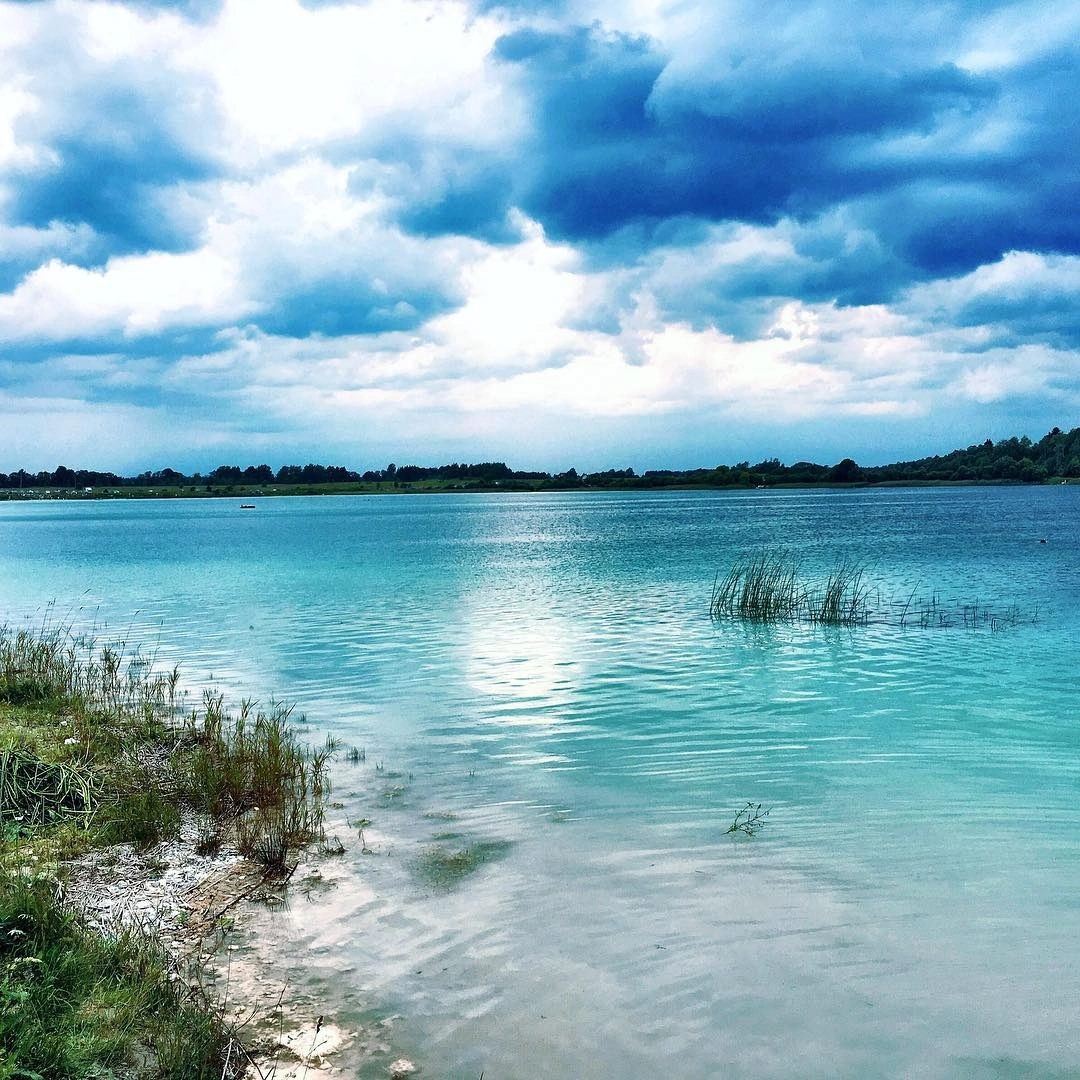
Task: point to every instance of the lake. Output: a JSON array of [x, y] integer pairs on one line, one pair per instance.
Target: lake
[[536, 678]]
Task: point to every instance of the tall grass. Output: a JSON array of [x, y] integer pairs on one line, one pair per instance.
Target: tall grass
[[763, 587], [93, 745], [129, 761], [52, 667], [766, 587], [844, 599], [249, 773]]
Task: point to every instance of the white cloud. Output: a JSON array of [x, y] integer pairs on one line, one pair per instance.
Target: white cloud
[[519, 301], [290, 79], [329, 124], [131, 296], [1019, 277]]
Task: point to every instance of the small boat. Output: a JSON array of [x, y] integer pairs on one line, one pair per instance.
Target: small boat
[[247, 506]]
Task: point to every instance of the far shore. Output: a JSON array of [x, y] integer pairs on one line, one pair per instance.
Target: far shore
[[437, 487]]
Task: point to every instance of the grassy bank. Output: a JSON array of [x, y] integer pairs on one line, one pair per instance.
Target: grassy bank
[[96, 749]]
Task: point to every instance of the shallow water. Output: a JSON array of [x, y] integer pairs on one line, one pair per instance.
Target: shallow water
[[543, 670]]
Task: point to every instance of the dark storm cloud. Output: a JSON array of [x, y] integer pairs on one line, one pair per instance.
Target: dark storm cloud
[[823, 265], [445, 190], [1023, 197], [613, 146], [622, 142]]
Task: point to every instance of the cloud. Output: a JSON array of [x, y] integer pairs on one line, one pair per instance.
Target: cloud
[[623, 135], [595, 223], [834, 109], [1024, 298], [106, 140]]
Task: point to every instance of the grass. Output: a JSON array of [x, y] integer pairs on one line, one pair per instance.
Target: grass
[[76, 1005], [763, 588], [767, 587], [248, 773], [94, 750]]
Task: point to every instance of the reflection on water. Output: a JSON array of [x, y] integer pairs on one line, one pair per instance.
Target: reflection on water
[[542, 670]]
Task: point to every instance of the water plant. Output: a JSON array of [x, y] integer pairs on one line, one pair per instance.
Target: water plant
[[761, 587], [844, 599], [768, 587], [443, 867], [748, 820]]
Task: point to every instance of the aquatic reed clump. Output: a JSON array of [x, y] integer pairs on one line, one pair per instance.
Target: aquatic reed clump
[[844, 599], [762, 587], [766, 588]]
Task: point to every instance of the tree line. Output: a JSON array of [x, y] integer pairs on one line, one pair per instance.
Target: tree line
[[1055, 456]]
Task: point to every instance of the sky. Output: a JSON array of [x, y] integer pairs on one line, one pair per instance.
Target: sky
[[588, 233]]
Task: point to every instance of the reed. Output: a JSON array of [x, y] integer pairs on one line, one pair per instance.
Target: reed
[[250, 773], [763, 588], [766, 587], [844, 599]]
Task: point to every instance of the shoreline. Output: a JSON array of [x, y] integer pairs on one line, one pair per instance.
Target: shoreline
[[137, 841], [523, 488], [198, 907]]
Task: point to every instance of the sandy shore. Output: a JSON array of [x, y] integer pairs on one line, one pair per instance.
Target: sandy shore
[[208, 912]]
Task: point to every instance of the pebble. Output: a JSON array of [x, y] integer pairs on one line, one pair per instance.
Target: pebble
[[122, 887]]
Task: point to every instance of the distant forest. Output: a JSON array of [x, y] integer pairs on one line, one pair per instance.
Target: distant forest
[[1056, 456]]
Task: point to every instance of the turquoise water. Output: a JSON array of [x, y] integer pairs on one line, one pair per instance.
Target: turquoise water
[[542, 670]]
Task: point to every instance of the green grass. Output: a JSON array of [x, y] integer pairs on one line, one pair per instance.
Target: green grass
[[762, 588], [844, 600], [767, 587], [249, 773], [76, 1005], [95, 750]]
